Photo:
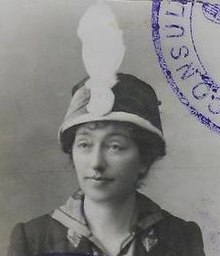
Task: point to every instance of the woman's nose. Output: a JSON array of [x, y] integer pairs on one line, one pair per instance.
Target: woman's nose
[[98, 159]]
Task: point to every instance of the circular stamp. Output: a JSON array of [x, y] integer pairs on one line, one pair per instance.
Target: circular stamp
[[188, 57]]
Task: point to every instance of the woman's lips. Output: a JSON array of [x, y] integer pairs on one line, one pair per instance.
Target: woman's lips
[[98, 178]]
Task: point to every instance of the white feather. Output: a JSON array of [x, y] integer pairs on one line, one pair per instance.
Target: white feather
[[102, 52], [102, 45]]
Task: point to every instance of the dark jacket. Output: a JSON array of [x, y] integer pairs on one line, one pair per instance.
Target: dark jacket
[[156, 233]]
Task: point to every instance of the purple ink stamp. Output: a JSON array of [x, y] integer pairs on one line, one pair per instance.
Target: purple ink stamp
[[211, 12], [181, 58]]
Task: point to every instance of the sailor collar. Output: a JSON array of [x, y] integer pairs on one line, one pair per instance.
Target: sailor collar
[[71, 215]]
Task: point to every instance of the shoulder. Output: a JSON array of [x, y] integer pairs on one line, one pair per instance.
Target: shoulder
[[40, 227], [173, 233], [166, 222], [175, 224], [185, 236], [36, 234]]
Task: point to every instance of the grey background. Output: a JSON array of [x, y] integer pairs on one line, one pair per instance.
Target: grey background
[[40, 61]]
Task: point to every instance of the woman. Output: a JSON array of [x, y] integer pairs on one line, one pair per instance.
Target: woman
[[111, 154], [113, 134]]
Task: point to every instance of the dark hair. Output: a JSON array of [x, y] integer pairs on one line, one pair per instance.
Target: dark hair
[[151, 146]]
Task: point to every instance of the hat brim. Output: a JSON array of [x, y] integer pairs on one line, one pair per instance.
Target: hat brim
[[113, 116]]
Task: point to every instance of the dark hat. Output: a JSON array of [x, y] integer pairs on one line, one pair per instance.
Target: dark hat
[[132, 100]]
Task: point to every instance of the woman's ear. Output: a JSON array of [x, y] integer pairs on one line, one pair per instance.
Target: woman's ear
[[141, 174], [142, 171], [70, 159]]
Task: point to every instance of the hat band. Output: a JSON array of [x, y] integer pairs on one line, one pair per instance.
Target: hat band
[[113, 116]]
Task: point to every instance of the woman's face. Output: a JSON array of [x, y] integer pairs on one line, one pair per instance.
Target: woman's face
[[107, 162]]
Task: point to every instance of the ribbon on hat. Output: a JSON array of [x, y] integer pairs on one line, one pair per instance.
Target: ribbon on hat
[[102, 52]]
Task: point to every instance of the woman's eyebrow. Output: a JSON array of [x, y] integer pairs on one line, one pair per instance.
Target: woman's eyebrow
[[83, 132], [121, 134]]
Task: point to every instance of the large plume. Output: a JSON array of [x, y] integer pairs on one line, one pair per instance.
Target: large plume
[[102, 52]]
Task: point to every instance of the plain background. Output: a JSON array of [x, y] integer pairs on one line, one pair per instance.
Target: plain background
[[40, 61]]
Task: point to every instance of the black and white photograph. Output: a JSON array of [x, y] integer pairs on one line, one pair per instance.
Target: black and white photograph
[[110, 128]]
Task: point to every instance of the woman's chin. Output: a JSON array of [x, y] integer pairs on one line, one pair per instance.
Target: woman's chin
[[99, 196]]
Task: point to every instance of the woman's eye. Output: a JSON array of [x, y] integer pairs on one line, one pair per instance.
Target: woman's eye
[[115, 147], [83, 145]]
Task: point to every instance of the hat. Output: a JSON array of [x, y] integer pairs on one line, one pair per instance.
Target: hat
[[134, 101], [107, 95]]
